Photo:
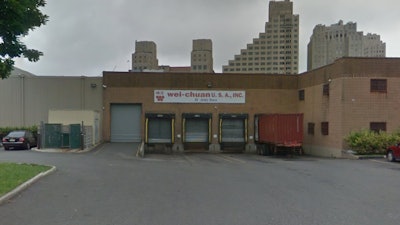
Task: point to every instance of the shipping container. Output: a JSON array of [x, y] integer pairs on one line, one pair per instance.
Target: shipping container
[[276, 133]]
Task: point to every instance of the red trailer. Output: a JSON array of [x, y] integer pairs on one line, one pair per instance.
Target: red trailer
[[279, 133]]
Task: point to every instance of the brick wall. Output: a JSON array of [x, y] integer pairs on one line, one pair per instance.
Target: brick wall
[[349, 106]]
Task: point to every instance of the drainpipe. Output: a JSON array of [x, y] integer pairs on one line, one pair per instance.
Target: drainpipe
[[83, 92], [22, 82]]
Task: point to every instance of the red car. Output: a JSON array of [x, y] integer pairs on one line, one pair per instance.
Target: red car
[[393, 153], [21, 139]]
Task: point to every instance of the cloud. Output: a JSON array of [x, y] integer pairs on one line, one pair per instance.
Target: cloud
[[87, 37]]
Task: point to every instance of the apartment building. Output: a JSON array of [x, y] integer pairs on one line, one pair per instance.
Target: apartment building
[[274, 51], [373, 46], [329, 43], [201, 56], [144, 59], [145, 56]]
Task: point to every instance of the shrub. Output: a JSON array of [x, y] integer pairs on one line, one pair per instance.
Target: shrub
[[371, 142], [5, 130]]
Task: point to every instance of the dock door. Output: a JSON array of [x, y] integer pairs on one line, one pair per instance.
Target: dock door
[[196, 131], [125, 123], [233, 131], [160, 128]]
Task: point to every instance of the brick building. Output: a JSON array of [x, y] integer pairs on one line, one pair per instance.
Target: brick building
[[197, 111]]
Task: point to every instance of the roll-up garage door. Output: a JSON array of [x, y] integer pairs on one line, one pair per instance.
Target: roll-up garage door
[[125, 123], [196, 128], [159, 128], [233, 128]]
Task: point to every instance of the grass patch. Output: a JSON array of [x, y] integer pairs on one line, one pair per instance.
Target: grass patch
[[14, 174]]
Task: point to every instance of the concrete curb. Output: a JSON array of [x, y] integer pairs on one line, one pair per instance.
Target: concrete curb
[[140, 151], [25, 185], [349, 155], [361, 157], [60, 150]]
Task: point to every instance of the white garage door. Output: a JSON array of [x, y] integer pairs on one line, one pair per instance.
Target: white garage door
[[125, 123]]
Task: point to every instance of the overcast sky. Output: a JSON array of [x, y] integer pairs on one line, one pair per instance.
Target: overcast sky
[[86, 37]]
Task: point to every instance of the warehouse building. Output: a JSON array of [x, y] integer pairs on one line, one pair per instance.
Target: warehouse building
[[54, 102], [215, 112], [27, 99]]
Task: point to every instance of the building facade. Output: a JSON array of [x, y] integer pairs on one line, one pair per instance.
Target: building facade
[[144, 59], [373, 46], [341, 40], [276, 50], [201, 56], [207, 111], [145, 56], [28, 99], [180, 109]]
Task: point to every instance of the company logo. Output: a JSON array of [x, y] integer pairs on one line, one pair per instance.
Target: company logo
[[160, 96]]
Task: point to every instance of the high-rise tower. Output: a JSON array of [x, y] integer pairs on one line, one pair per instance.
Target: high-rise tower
[[145, 56], [201, 56], [276, 51], [328, 43]]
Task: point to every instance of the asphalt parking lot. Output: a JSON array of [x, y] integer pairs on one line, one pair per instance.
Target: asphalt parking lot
[[110, 185]]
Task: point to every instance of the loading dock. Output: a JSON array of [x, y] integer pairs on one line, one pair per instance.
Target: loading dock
[[233, 131], [159, 128], [125, 122], [196, 130]]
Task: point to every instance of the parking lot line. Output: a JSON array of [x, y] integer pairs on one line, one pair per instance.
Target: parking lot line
[[100, 149], [187, 158], [378, 161], [231, 159]]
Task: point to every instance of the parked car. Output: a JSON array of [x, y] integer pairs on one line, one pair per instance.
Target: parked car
[[393, 153], [20, 139]]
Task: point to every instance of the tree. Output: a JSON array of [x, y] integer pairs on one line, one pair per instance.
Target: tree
[[17, 18]]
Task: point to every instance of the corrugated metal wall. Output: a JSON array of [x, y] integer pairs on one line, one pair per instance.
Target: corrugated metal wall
[[25, 101]]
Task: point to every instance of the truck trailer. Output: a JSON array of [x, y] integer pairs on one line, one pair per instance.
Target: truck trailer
[[279, 133]]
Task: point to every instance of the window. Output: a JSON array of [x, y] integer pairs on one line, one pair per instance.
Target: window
[[301, 95], [325, 90], [325, 128], [310, 129], [377, 126], [379, 85]]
